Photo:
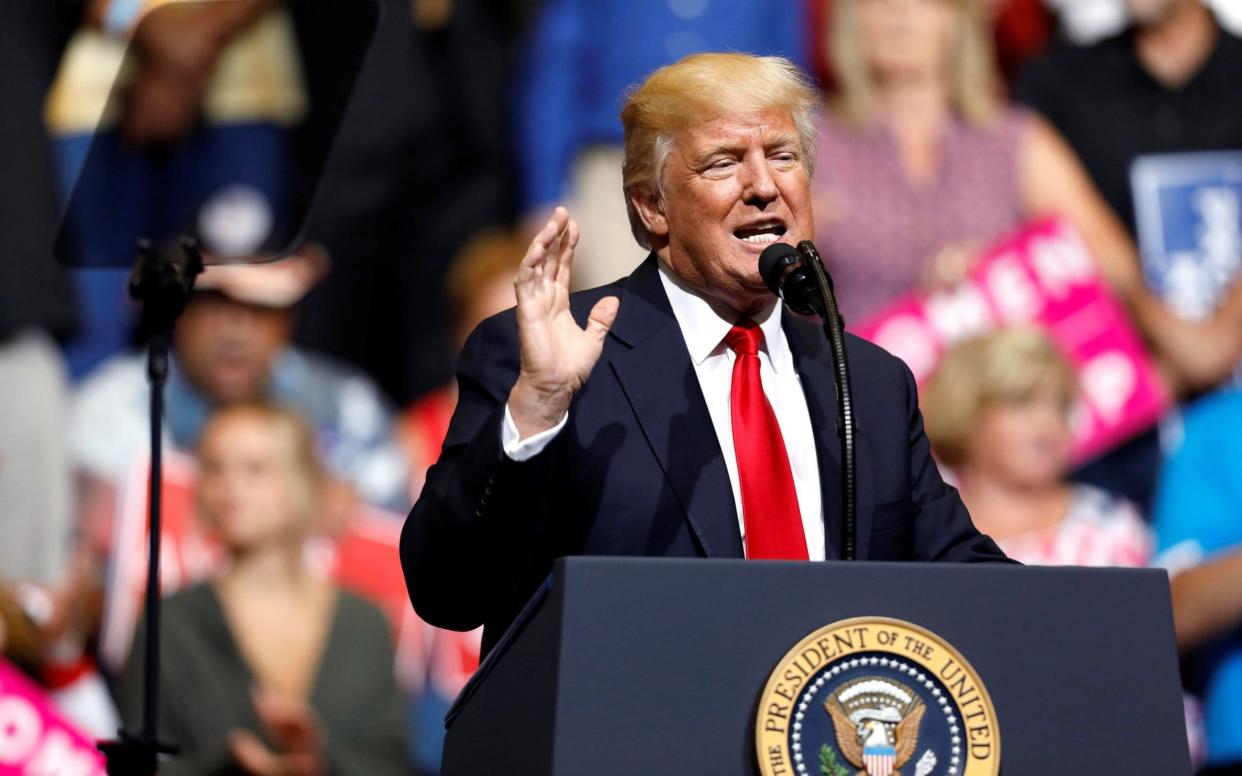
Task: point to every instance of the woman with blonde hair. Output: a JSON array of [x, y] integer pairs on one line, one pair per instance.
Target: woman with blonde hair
[[270, 669], [922, 164], [998, 413]]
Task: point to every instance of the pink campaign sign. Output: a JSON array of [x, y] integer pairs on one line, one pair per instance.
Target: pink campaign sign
[[1043, 275], [34, 739]]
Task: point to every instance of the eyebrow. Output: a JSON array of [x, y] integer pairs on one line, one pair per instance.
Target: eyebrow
[[784, 140], [701, 159]]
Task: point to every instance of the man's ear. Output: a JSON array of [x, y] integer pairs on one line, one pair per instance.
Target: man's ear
[[650, 208]]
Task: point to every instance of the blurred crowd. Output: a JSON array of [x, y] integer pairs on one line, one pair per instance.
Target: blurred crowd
[[309, 395]]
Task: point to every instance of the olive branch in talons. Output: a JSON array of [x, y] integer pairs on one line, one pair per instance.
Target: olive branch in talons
[[828, 764]]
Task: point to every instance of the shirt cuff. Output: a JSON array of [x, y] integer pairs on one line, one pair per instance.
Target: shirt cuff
[[524, 449]]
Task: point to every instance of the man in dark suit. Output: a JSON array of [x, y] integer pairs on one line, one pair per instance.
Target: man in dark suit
[[680, 411]]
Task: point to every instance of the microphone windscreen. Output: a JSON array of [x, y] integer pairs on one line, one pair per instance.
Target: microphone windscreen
[[772, 263]]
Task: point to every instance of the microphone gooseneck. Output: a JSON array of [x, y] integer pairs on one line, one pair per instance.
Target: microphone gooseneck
[[797, 276]]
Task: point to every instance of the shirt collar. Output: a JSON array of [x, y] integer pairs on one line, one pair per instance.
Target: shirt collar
[[186, 409], [1129, 40], [705, 322]]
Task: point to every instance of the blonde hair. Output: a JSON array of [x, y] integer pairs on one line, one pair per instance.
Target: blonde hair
[[295, 441], [699, 88], [973, 84], [1002, 367]]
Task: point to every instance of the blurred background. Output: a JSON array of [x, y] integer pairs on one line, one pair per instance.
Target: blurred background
[[1036, 203]]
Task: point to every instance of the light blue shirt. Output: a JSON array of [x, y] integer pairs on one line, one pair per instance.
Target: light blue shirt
[[1198, 514]]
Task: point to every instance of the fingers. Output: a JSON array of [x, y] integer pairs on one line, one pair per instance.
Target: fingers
[[602, 316], [565, 257], [542, 244], [251, 755], [533, 268], [290, 723]]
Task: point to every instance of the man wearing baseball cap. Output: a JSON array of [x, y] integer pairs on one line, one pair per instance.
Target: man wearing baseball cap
[[233, 343]]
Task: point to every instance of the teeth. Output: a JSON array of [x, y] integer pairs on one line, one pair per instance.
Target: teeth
[[761, 238]]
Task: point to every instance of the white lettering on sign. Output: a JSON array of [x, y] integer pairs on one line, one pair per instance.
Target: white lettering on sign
[[1194, 279], [59, 756], [959, 313], [20, 728], [1108, 380], [1016, 296], [1220, 237], [1061, 262]]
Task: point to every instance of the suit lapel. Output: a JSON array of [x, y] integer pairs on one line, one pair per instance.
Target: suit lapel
[[655, 373], [813, 360]]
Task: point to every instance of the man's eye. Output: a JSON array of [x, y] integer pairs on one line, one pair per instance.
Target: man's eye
[[720, 164], [785, 156]]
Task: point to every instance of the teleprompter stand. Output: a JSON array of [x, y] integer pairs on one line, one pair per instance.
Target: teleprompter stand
[[154, 194], [162, 285]]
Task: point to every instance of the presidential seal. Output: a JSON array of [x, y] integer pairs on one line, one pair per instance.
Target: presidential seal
[[873, 696]]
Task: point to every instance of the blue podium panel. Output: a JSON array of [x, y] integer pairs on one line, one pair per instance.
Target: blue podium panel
[[656, 666]]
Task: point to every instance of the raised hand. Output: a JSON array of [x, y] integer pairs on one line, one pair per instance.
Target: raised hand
[[557, 355]]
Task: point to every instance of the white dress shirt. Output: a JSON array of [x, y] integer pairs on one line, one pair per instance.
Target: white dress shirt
[[704, 325]]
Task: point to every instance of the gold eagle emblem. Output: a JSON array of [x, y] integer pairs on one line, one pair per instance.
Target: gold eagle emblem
[[876, 713]]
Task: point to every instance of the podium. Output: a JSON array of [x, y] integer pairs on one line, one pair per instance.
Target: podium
[[657, 666]]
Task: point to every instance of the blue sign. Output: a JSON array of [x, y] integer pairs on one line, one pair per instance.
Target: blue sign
[[1188, 209]]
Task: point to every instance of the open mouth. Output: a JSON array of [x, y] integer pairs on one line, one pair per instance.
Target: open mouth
[[760, 234]]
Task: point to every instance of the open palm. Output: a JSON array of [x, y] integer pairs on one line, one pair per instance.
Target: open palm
[[557, 355]]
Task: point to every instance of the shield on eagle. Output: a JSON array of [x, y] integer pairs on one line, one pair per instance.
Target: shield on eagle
[[879, 760]]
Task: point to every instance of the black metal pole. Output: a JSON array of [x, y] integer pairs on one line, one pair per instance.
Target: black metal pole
[[157, 374], [163, 286]]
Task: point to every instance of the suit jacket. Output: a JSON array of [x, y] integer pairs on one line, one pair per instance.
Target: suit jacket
[[638, 470]]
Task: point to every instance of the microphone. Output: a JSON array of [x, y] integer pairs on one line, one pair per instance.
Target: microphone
[[780, 266], [791, 273], [797, 276]]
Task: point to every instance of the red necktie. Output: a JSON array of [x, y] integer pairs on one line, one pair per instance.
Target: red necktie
[[769, 501]]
